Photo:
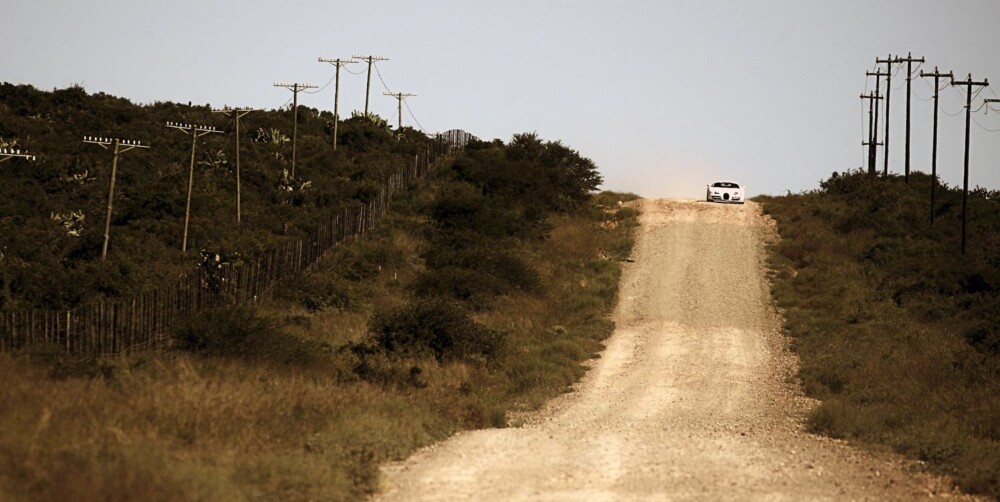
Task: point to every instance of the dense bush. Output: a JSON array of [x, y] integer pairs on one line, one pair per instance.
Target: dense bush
[[46, 264], [240, 331], [434, 327]]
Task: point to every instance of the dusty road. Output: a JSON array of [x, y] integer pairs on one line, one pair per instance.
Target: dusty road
[[692, 399]]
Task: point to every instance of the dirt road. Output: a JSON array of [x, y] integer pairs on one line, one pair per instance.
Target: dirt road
[[692, 399]]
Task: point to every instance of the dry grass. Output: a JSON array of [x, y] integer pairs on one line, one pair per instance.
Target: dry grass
[[894, 329], [179, 426]]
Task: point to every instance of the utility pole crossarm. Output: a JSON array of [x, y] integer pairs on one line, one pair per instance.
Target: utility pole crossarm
[[124, 145], [338, 61], [7, 154]]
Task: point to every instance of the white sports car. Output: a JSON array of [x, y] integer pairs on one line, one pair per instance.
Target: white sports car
[[725, 191]]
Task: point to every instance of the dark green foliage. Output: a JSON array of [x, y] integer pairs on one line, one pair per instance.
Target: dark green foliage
[[479, 214], [240, 332], [897, 332], [43, 266], [434, 327]]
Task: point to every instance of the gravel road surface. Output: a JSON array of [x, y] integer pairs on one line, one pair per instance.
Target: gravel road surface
[[693, 398]]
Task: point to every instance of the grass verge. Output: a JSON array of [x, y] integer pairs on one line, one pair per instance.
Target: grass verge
[[896, 331]]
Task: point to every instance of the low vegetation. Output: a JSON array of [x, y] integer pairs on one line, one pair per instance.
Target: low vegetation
[[480, 295], [897, 332]]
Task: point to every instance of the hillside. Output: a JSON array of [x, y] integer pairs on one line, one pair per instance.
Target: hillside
[[480, 295], [896, 330], [52, 211]]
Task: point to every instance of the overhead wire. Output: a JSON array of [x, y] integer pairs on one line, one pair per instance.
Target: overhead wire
[[407, 105], [379, 73], [981, 126], [348, 70], [327, 84], [410, 112]]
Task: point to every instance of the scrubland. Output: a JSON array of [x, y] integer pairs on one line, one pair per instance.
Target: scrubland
[[467, 304], [896, 330]]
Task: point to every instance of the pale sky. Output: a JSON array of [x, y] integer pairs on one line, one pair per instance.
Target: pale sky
[[664, 96]]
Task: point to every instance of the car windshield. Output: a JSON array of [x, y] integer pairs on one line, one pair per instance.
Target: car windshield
[[725, 184]]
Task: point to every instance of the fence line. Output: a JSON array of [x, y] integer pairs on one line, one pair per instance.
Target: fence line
[[143, 323]]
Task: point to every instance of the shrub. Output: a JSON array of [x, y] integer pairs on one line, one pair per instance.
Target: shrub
[[240, 332], [320, 291], [434, 327]]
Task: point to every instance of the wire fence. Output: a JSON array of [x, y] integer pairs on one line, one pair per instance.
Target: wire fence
[[144, 323]]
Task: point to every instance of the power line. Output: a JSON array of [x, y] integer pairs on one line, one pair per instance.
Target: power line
[[981, 126], [322, 88], [407, 105], [379, 73], [399, 98]]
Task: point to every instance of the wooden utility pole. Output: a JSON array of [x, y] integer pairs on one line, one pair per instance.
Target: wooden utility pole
[[119, 146], [888, 94], [336, 92], [969, 84], [872, 143], [7, 154], [368, 86], [909, 60], [878, 85], [295, 87], [237, 114], [937, 88], [196, 132], [399, 105]]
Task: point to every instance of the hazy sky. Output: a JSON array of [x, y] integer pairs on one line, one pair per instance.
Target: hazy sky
[[664, 96]]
